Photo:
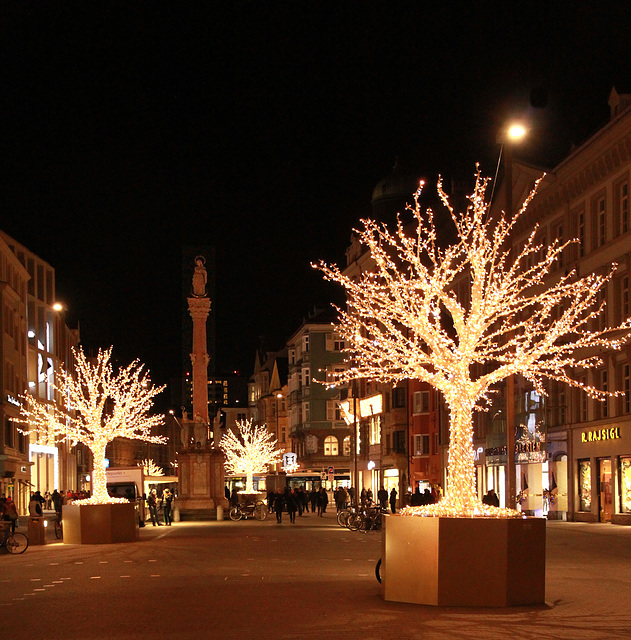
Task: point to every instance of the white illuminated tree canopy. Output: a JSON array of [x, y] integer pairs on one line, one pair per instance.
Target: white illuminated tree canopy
[[249, 451], [404, 320], [98, 406]]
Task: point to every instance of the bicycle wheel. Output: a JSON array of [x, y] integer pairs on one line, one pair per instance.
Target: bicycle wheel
[[16, 543], [355, 521], [377, 522], [260, 511], [342, 517], [235, 514]]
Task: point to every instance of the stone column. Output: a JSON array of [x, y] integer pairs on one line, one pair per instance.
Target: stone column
[[199, 309]]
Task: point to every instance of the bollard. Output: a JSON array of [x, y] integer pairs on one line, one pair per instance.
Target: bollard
[[219, 513], [36, 531], [176, 514]]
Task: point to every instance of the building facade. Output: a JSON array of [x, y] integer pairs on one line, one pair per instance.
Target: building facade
[[36, 342], [320, 437]]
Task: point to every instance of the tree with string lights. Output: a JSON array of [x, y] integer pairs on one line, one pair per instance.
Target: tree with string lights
[[404, 320], [98, 406], [249, 451]]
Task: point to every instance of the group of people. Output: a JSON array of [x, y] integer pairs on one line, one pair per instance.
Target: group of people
[[297, 500], [427, 496], [166, 502]]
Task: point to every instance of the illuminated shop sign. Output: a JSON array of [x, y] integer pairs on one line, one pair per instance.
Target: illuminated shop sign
[[371, 406], [13, 400], [611, 433]]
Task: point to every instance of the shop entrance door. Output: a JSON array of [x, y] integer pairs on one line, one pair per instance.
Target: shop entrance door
[[605, 491]]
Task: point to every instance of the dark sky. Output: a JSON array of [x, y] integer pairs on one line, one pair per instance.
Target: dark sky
[[130, 129]]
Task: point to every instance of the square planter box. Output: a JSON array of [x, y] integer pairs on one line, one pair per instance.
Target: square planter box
[[100, 523], [464, 562]]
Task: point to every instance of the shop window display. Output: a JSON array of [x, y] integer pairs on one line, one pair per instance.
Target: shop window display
[[625, 485], [585, 485]]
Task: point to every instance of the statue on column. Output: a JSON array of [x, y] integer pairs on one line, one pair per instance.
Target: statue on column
[[200, 432], [200, 277]]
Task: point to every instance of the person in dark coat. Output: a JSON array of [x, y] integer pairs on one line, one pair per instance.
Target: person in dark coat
[[234, 498], [313, 497], [393, 500], [382, 496], [323, 500], [291, 504], [304, 498], [279, 504]]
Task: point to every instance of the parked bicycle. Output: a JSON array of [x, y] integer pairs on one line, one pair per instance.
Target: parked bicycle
[[245, 510], [366, 519], [12, 542]]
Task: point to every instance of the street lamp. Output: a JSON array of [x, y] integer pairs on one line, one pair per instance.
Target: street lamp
[[513, 134]]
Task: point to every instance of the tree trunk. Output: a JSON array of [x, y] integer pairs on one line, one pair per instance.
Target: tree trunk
[[461, 492], [99, 476]]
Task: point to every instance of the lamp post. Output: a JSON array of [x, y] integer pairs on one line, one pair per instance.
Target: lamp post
[[513, 134], [279, 395]]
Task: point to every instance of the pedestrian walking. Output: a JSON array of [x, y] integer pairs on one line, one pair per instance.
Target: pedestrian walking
[[323, 500], [291, 504], [382, 496], [279, 503], [313, 497]]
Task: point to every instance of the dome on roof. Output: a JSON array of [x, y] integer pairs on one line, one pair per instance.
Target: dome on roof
[[393, 192]]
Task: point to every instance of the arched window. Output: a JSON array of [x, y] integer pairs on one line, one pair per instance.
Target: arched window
[[346, 446], [330, 446]]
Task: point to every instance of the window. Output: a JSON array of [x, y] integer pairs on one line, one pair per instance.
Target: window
[[624, 476], [601, 221], [305, 343], [9, 433], [398, 397], [584, 485], [421, 402], [421, 444], [624, 297], [292, 356], [626, 388], [583, 401], [330, 446], [623, 206], [306, 377], [604, 385], [559, 237], [346, 446], [398, 441], [333, 412], [306, 412], [580, 232], [374, 427]]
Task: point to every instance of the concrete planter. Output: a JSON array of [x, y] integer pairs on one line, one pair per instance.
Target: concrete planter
[[464, 562], [100, 523]]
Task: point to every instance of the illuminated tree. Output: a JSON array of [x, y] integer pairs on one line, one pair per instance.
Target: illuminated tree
[[404, 320], [250, 451], [98, 406], [151, 468]]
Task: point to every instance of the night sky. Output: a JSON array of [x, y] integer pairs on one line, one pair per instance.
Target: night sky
[[130, 129]]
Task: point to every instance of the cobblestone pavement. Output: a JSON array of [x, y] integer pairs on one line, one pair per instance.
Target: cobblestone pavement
[[306, 580]]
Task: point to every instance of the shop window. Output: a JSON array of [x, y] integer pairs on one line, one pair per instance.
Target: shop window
[[330, 446], [346, 446], [625, 484], [585, 485]]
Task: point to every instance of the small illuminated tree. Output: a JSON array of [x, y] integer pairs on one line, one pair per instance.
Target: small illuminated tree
[[151, 468], [250, 451], [404, 320], [98, 406]]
